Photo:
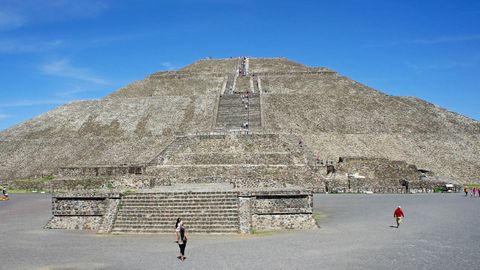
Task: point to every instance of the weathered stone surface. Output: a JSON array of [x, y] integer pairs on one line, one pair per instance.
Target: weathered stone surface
[[245, 214], [74, 222], [110, 214], [283, 221], [281, 205], [78, 206], [334, 115]]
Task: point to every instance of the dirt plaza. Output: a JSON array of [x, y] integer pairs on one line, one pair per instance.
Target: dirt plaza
[[440, 231]]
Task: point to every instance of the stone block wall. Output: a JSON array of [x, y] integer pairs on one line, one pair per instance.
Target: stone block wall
[[100, 170], [78, 206], [379, 168], [26, 184], [84, 211], [276, 209], [244, 176], [381, 186], [104, 184]]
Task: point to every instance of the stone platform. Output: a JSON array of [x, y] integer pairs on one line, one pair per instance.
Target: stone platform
[[206, 208]]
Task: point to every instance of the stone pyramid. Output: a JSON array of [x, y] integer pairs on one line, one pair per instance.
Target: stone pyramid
[[335, 118]]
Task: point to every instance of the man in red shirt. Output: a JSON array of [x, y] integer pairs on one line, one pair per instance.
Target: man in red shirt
[[398, 215]]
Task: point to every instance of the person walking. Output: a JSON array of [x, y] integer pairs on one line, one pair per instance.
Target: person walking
[[466, 191], [398, 215], [474, 192], [181, 238], [4, 193]]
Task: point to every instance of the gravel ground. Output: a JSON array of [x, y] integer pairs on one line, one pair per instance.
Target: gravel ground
[[440, 231]]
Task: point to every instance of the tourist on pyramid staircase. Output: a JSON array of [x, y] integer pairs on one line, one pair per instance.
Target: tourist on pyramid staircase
[[181, 238], [398, 215], [466, 191]]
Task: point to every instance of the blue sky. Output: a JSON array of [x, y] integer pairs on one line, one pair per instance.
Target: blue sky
[[54, 52]]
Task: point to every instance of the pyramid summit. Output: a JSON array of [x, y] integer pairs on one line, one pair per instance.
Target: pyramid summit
[[267, 114]]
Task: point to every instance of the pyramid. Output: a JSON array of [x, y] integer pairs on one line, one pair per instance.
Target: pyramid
[[313, 117]]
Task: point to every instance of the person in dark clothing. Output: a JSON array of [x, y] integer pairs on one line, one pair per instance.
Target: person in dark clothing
[[181, 238]]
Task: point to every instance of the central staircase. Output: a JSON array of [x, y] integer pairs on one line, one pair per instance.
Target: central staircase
[[202, 212], [234, 111]]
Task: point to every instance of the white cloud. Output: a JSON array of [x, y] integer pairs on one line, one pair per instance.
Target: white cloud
[[419, 68], [168, 65], [76, 9], [74, 91], [9, 20], [427, 41], [4, 116], [444, 39], [17, 13], [29, 103], [28, 46], [63, 68]]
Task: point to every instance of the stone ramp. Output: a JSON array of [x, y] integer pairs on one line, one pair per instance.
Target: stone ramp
[[156, 212]]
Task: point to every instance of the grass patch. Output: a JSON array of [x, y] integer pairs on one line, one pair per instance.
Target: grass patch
[[17, 191], [130, 191], [264, 232], [43, 179]]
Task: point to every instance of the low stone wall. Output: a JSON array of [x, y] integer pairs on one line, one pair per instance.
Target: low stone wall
[[94, 171], [74, 222], [118, 183], [378, 168], [27, 184], [84, 210], [381, 186], [276, 209], [244, 176]]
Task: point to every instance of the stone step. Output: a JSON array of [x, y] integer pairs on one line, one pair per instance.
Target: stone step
[[219, 205], [180, 198], [239, 114], [170, 227], [189, 199], [159, 221], [209, 204], [177, 213], [167, 219], [184, 194], [171, 230], [237, 118], [181, 203], [198, 215], [160, 209], [175, 210]]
